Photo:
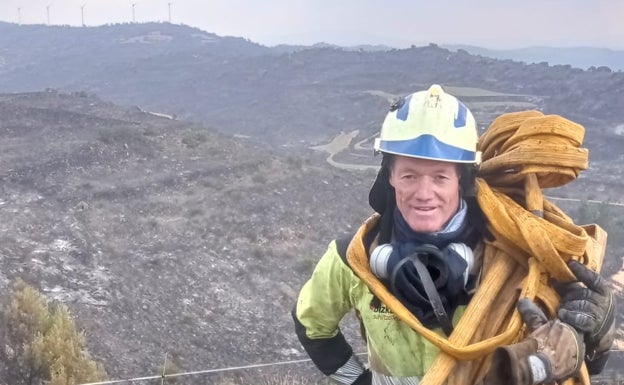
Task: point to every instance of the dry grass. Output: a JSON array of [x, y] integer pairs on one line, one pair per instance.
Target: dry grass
[[273, 379]]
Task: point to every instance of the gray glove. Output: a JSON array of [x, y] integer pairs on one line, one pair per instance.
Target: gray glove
[[589, 306], [552, 351]]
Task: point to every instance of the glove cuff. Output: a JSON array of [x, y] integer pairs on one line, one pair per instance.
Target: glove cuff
[[510, 364]]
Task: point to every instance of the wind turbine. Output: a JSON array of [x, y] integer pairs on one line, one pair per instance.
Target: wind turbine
[[19, 15], [133, 18], [48, 12], [169, 7], [82, 14]]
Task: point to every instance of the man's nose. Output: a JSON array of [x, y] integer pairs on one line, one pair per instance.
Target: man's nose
[[424, 189]]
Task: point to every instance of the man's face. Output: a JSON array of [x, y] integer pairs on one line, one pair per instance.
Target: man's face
[[427, 192]]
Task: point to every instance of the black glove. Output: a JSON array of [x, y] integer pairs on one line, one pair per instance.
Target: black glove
[[589, 306], [552, 351]]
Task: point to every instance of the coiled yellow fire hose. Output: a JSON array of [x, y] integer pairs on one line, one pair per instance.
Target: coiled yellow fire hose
[[523, 152]]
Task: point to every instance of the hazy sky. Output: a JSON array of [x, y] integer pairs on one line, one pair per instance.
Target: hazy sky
[[399, 23]]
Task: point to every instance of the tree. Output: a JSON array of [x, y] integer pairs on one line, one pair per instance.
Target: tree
[[39, 343]]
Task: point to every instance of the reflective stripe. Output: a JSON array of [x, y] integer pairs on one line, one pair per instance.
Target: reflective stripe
[[381, 379], [460, 119], [349, 372], [428, 147]]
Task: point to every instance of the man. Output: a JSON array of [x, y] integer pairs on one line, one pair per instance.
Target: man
[[425, 246]]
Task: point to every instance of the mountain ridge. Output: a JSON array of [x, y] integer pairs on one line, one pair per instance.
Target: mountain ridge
[[586, 58], [206, 78]]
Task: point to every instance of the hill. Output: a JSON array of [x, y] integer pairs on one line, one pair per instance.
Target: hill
[[161, 236], [587, 58], [290, 98]]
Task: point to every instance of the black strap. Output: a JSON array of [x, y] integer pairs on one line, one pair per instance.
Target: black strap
[[430, 290]]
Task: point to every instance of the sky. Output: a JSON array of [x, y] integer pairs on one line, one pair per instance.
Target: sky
[[500, 24]]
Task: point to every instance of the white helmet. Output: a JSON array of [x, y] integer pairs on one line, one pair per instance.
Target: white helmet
[[431, 125]]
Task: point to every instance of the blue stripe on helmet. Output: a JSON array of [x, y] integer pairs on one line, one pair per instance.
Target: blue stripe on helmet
[[403, 111], [427, 146], [462, 112]]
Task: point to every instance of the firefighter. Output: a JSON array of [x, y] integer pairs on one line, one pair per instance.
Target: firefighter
[[425, 245]]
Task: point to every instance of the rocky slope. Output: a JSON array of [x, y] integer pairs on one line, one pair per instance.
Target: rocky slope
[[162, 236]]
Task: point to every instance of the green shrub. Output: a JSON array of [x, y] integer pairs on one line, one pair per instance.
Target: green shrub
[[40, 343]]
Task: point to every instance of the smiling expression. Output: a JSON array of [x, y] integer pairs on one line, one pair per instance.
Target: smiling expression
[[427, 192]]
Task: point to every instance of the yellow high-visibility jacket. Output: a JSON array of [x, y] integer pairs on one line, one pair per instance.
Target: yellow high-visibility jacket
[[395, 351]]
